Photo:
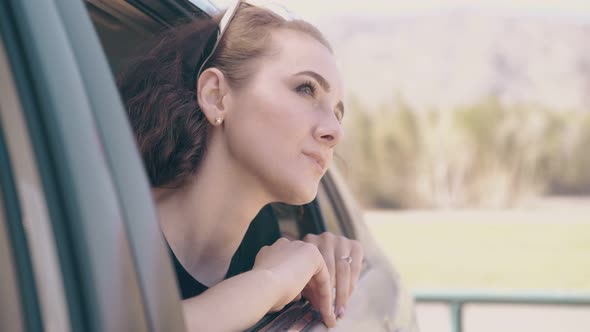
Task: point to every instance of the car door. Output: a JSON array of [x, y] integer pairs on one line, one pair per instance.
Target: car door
[[84, 247]]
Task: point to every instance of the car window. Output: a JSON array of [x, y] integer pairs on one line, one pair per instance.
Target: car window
[[326, 213], [329, 216], [126, 29], [129, 180], [121, 23], [295, 221], [337, 212], [289, 217]]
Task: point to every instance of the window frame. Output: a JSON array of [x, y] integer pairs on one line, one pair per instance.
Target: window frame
[[11, 317], [315, 224], [312, 219], [338, 205], [97, 261], [37, 279], [18, 287]]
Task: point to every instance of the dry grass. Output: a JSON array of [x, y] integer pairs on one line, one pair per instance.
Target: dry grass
[[519, 249]]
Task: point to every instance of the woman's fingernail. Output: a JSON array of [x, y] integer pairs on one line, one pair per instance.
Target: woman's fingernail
[[340, 312]]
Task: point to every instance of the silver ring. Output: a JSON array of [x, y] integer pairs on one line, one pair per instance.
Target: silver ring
[[347, 259]]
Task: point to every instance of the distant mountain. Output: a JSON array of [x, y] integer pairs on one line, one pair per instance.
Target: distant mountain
[[461, 56]]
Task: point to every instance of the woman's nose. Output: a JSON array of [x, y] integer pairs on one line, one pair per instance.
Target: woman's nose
[[329, 131]]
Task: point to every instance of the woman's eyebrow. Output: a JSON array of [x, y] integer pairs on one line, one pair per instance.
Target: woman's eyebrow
[[321, 80]]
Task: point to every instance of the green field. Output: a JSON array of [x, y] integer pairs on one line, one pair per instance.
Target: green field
[[487, 250]]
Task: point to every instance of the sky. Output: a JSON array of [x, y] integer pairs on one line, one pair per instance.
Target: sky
[[315, 10]]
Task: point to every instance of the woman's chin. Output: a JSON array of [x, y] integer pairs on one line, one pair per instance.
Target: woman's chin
[[302, 196], [300, 201]]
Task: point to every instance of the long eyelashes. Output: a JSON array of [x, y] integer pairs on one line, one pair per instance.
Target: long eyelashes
[[307, 88]]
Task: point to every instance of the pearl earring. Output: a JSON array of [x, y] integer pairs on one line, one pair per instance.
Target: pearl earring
[[218, 120]]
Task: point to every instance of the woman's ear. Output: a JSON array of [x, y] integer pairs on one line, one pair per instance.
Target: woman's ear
[[211, 89]]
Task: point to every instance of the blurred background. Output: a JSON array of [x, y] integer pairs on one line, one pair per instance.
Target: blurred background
[[468, 145]]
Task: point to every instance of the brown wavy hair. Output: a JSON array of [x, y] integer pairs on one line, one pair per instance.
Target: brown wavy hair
[[160, 93]]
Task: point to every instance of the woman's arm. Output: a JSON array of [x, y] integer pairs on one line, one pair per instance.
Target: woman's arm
[[234, 304], [280, 273]]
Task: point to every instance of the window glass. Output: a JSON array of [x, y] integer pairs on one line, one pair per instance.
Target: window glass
[[328, 211], [289, 217], [295, 221]]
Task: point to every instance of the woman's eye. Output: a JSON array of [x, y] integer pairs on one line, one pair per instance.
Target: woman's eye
[[307, 88]]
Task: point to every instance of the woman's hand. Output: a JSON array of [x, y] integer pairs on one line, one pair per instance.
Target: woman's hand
[[343, 258], [295, 265]]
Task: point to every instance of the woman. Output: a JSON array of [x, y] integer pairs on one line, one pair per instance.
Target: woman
[[227, 123]]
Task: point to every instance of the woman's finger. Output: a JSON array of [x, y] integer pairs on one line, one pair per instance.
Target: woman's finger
[[342, 283], [322, 295], [325, 243], [328, 254], [356, 265], [281, 242]]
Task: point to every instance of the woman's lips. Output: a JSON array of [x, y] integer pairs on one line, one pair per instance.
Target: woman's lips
[[317, 159]]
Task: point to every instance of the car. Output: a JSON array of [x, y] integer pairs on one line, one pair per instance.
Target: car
[[80, 245]]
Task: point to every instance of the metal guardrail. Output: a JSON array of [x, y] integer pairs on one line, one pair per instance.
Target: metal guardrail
[[456, 300]]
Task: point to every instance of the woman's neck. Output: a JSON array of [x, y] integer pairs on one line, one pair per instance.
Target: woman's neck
[[205, 221]]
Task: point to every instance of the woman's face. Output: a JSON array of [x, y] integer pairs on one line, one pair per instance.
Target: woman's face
[[282, 127]]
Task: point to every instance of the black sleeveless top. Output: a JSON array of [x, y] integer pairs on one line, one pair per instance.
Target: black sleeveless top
[[263, 231]]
